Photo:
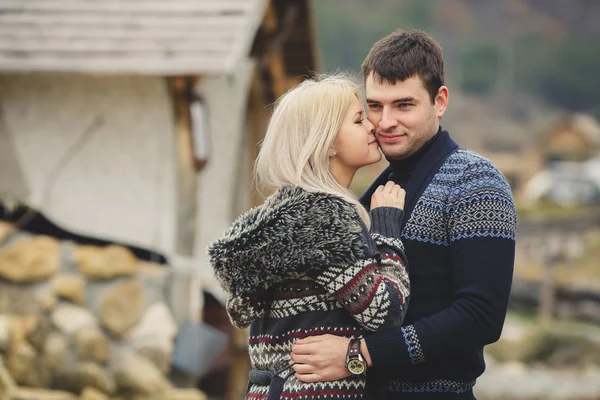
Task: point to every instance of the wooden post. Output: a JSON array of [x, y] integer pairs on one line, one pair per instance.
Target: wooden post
[[550, 257], [547, 303], [186, 170]]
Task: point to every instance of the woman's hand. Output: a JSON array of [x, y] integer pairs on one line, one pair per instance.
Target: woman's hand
[[390, 195]]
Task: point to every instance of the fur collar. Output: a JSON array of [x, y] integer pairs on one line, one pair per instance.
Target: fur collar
[[293, 233]]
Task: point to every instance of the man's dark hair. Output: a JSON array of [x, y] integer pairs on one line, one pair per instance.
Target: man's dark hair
[[404, 54]]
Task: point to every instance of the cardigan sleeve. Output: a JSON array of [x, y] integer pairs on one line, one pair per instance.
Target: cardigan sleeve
[[374, 290], [481, 230]]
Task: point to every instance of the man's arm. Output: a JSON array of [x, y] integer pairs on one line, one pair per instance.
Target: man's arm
[[482, 228]]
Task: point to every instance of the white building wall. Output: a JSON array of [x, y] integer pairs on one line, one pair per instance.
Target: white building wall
[[119, 183]]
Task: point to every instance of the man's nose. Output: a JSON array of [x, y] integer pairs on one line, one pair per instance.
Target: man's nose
[[387, 121]]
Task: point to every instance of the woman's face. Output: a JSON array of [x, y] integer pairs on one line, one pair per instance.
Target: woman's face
[[355, 145]]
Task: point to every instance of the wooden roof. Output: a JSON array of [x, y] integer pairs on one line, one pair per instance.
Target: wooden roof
[[154, 37]]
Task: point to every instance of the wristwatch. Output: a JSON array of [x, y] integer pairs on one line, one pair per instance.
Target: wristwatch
[[355, 362]]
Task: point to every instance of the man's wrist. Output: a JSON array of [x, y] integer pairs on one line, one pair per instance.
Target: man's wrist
[[365, 352]]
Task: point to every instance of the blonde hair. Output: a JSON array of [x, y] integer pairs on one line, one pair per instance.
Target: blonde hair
[[304, 125]]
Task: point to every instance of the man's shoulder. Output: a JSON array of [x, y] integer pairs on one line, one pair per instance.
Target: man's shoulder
[[465, 157], [473, 172], [466, 162]]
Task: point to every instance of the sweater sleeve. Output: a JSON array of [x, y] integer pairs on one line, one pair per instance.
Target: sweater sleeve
[[374, 289], [481, 232]]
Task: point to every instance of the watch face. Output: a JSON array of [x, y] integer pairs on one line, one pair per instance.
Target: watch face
[[356, 367]]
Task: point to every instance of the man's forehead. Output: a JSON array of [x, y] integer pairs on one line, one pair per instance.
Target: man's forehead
[[384, 90]]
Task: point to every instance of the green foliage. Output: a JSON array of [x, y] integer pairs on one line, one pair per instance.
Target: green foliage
[[574, 80], [347, 30], [562, 74], [479, 67]]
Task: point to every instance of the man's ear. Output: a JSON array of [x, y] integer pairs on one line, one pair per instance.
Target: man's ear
[[441, 101]]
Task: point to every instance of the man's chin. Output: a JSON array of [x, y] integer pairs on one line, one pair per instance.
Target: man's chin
[[395, 154]]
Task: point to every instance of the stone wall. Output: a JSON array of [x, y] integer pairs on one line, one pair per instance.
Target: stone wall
[[82, 322]]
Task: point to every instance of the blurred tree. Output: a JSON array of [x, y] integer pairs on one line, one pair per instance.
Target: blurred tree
[[479, 68], [574, 80]]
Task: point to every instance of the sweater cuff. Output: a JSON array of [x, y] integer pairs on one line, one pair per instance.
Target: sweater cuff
[[388, 348], [387, 221]]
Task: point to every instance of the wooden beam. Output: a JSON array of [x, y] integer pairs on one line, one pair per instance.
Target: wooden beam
[[130, 46], [278, 74], [153, 64], [270, 22], [112, 6], [186, 171], [134, 21]]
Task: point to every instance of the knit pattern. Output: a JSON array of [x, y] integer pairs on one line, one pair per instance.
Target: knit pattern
[[412, 342], [459, 239], [304, 264], [470, 196], [435, 386], [349, 388]]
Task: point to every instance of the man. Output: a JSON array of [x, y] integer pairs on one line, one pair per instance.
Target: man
[[458, 231]]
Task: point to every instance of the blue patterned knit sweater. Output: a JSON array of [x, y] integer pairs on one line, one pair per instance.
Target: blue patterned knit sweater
[[459, 236]]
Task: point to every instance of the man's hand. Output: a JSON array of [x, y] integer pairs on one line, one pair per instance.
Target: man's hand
[[320, 358]]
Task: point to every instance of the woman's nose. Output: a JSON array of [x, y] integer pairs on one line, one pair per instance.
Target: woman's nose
[[370, 126]]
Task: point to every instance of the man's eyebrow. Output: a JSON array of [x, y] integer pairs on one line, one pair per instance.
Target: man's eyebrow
[[402, 100]]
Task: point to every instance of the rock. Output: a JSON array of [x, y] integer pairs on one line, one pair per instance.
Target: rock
[[122, 307], [5, 230], [184, 394], [30, 260], [37, 336], [21, 362], [70, 318], [92, 394], [157, 321], [7, 383], [18, 299], [106, 262], [92, 344], [23, 326], [55, 351], [22, 356], [134, 373], [47, 301], [95, 376], [80, 375], [70, 287], [159, 357], [153, 336], [5, 333], [41, 394]]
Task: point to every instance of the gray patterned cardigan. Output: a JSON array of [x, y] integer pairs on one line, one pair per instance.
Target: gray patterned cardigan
[[302, 264]]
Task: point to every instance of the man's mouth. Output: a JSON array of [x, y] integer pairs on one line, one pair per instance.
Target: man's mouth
[[391, 138]]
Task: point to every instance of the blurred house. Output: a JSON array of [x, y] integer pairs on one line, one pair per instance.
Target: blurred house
[[137, 122], [574, 137], [570, 155]]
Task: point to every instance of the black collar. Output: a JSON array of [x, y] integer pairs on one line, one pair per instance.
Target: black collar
[[427, 167], [403, 169]]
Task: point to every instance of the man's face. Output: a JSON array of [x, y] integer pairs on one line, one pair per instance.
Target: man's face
[[403, 114]]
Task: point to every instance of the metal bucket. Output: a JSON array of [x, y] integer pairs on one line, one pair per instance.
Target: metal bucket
[[196, 347]]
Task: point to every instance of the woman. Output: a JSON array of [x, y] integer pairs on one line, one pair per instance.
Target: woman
[[311, 260]]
